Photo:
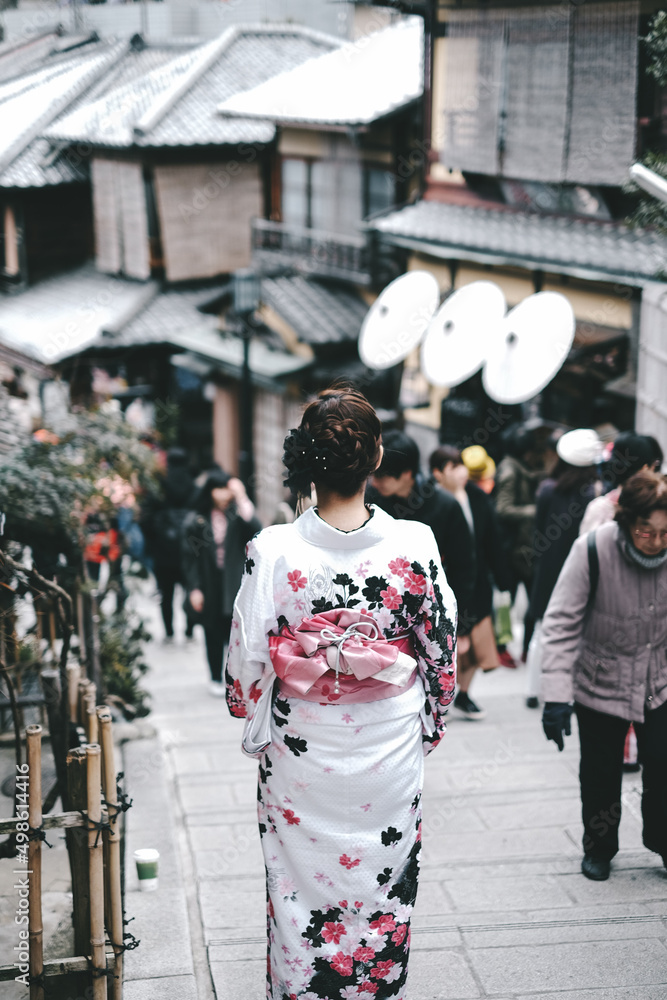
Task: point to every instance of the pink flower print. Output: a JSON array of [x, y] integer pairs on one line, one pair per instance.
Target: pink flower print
[[382, 969], [384, 924], [343, 904], [321, 877], [414, 582], [286, 885], [296, 580], [349, 863], [366, 807], [347, 717], [449, 642], [399, 566], [333, 932], [363, 568], [364, 955], [427, 625], [391, 598], [291, 818], [342, 964], [394, 974], [399, 934], [358, 904]]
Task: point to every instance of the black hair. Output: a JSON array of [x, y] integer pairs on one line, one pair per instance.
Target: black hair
[[336, 445], [400, 454]]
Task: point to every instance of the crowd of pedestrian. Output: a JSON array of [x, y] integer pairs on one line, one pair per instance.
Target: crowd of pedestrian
[[578, 522], [195, 534], [343, 659]]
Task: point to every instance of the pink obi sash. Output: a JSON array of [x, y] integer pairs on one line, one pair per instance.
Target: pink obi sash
[[341, 656]]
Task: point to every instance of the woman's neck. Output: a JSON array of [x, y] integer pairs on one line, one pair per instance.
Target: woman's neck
[[344, 513]]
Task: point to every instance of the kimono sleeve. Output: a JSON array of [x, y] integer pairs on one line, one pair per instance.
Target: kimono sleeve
[[253, 617], [435, 645]]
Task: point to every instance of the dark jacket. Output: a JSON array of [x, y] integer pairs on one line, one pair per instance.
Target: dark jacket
[[163, 519], [559, 515], [516, 486], [432, 505], [200, 570], [613, 657], [491, 557]]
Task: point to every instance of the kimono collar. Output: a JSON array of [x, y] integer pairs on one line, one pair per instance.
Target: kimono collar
[[315, 530]]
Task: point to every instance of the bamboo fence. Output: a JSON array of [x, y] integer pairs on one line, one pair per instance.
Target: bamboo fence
[[93, 840]]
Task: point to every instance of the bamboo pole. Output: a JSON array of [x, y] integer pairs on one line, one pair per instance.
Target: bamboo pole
[[77, 850], [96, 873], [82, 692], [73, 677], [58, 729], [91, 724], [34, 753], [81, 629], [115, 912]]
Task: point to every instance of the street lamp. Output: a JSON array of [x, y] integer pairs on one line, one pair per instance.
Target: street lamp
[[246, 289]]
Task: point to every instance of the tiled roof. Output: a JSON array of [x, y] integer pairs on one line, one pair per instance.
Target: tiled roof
[[88, 311], [35, 164], [175, 105], [60, 316], [174, 317], [170, 312], [565, 245], [318, 312], [356, 84], [27, 53], [29, 103]]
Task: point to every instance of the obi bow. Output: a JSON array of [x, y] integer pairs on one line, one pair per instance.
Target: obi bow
[[343, 640]]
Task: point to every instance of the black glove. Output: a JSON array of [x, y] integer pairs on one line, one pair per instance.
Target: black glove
[[556, 721]]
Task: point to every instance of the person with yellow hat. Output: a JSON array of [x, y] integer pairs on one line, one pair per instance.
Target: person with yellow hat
[[480, 465]]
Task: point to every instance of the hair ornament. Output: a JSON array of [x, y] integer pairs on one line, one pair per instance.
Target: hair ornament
[[303, 460]]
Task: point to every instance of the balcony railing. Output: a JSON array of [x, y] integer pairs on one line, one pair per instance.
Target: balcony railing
[[277, 245]]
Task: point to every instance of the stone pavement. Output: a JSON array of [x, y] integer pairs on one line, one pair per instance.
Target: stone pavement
[[502, 912]]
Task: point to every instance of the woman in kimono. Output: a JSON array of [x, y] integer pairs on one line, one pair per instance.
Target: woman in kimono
[[346, 615]]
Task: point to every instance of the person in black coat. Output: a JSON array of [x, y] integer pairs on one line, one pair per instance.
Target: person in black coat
[[214, 542], [162, 521], [491, 562], [398, 488]]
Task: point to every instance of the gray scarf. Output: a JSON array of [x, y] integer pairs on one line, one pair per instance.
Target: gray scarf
[[646, 562]]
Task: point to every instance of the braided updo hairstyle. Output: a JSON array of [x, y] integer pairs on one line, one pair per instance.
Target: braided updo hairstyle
[[336, 446]]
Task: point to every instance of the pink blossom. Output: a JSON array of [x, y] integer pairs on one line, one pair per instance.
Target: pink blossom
[[296, 580], [399, 934], [399, 566], [414, 582], [382, 969], [348, 862], [333, 932], [342, 963], [384, 923], [364, 955], [290, 817], [390, 598]]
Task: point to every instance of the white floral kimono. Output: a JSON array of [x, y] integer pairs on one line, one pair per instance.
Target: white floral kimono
[[340, 784]]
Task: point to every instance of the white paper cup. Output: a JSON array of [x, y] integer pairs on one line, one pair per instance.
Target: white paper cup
[[146, 860]]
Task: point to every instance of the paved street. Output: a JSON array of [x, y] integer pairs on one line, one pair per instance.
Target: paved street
[[503, 910]]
